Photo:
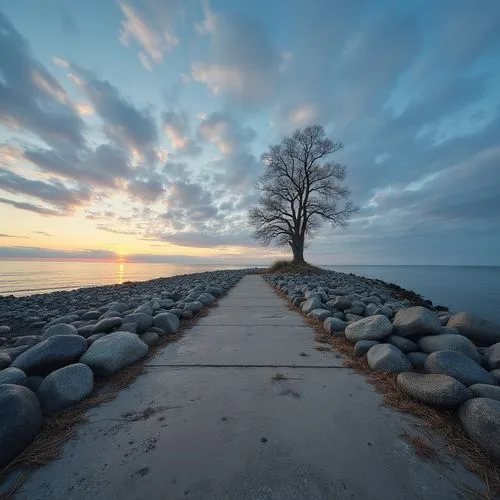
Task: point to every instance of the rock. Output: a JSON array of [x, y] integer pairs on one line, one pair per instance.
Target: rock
[[493, 357], [319, 314], [311, 304], [416, 321], [65, 386], [129, 327], [93, 338], [357, 307], [485, 391], [143, 321], [29, 340], [341, 303], [193, 306], [372, 328], [14, 352], [449, 330], [59, 329], [150, 338], [20, 420], [114, 351], [205, 298], [51, 354], [333, 325], [85, 331], [449, 342], [388, 358], [33, 382], [474, 328], [106, 325], [403, 344], [496, 374], [441, 391], [187, 314], [352, 317], [5, 360], [480, 418], [90, 315], [362, 347], [168, 322], [417, 359], [4, 329], [459, 366], [12, 375], [119, 307]]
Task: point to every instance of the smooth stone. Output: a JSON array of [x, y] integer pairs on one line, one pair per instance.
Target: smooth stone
[[5, 360], [341, 303], [20, 420], [352, 317], [195, 306], [205, 298], [319, 314], [480, 418], [417, 359], [65, 386], [29, 340], [372, 328], [168, 322], [311, 304], [334, 325], [449, 330], [496, 374], [493, 357], [187, 314], [59, 329], [15, 352], [362, 347], [12, 375], [417, 321], [403, 344], [150, 338], [441, 391], [33, 382], [85, 330], [4, 329], [388, 358], [449, 342], [143, 321], [93, 338], [119, 307], [476, 329], [113, 352], [90, 315], [51, 354], [485, 391], [106, 325], [128, 327], [459, 366]]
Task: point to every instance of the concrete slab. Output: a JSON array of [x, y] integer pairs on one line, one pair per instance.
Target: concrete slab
[[201, 432]]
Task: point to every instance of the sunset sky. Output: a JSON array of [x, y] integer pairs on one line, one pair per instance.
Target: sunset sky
[[133, 130]]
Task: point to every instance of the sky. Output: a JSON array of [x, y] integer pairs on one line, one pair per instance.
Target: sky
[[133, 129]]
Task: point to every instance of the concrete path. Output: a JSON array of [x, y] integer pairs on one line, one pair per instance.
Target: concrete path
[[207, 421]]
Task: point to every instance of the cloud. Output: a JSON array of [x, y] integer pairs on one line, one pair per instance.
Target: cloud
[[177, 128], [30, 207], [147, 188], [19, 252], [43, 233], [3, 235]]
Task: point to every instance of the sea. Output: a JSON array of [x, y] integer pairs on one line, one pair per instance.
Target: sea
[[461, 288]]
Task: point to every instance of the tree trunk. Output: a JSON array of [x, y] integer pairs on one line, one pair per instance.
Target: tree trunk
[[298, 252]]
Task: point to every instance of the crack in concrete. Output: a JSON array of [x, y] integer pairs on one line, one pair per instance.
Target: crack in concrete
[[220, 365]]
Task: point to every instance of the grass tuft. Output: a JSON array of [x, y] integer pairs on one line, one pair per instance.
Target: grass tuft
[[279, 376], [288, 267]]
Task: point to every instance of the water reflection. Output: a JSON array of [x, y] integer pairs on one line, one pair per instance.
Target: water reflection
[[120, 278]]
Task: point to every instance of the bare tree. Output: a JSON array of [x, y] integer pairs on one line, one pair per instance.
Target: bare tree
[[300, 190]]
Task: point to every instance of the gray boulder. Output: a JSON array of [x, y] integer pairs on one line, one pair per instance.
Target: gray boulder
[[459, 366], [106, 325], [496, 374], [4, 329], [90, 315], [480, 418], [168, 322], [403, 344], [362, 347], [59, 329], [449, 342], [333, 325], [150, 338], [417, 359], [485, 391], [12, 375], [65, 386], [319, 314], [341, 303], [51, 354], [205, 298], [388, 358], [194, 306], [493, 356], [129, 327], [114, 351], [33, 382], [441, 391], [29, 340], [477, 329], [371, 328], [5, 360], [310, 304], [143, 321], [416, 321]]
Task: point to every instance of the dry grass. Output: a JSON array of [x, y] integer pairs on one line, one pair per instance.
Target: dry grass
[[279, 376], [288, 267], [445, 422], [421, 446]]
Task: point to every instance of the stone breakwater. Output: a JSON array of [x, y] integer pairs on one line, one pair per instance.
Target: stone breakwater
[[53, 346], [443, 359]]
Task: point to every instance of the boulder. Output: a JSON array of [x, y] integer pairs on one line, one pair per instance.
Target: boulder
[[449, 342], [371, 328], [106, 325], [352, 317], [341, 303], [150, 338], [12, 375], [474, 328], [90, 315], [129, 327], [480, 418], [5, 360], [29, 340], [417, 359], [33, 382], [65, 386], [4, 329], [193, 306], [333, 325], [51, 354], [310, 304], [319, 314], [493, 356], [143, 321], [93, 338], [59, 329], [403, 344], [416, 321], [168, 322], [205, 298], [485, 391], [20, 420], [85, 330], [388, 358], [496, 374], [441, 391], [362, 347], [114, 351], [459, 366]]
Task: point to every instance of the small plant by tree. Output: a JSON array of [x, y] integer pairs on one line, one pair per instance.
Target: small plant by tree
[[300, 190]]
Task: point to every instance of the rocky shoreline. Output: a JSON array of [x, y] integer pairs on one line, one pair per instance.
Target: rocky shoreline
[[443, 359]]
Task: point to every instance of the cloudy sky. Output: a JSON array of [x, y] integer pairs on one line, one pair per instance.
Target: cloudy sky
[[135, 128]]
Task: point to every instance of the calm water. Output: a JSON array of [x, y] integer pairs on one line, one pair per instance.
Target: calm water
[[469, 288]]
